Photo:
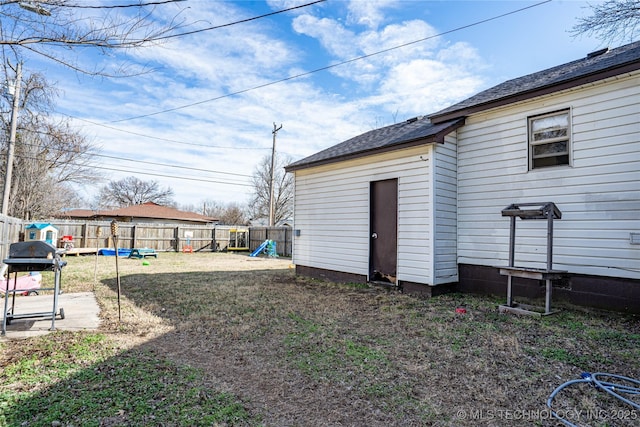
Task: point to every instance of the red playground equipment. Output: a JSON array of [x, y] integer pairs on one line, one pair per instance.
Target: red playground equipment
[[67, 242]]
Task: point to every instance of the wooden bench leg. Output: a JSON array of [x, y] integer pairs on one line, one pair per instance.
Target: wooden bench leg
[[547, 300]]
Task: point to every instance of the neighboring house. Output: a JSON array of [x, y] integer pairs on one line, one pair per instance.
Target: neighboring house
[[419, 203], [143, 213]]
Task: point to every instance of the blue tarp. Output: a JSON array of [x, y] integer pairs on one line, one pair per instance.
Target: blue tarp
[[111, 252]]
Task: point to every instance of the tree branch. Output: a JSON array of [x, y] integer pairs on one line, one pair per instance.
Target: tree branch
[[611, 21]]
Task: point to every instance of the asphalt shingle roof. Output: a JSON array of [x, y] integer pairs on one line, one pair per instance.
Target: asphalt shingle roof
[[144, 210], [593, 67], [614, 61], [396, 136]]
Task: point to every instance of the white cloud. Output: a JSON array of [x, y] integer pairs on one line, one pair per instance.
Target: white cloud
[[418, 78], [333, 36], [369, 13], [345, 45], [230, 135], [425, 86]]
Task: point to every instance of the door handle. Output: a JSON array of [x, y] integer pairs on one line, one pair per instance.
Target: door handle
[[374, 236]]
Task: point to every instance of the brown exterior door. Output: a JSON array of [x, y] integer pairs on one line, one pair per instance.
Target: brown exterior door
[[383, 233]]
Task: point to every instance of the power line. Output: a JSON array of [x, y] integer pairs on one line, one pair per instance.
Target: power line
[[163, 139], [141, 161], [138, 171], [201, 30], [174, 176], [180, 35], [186, 33], [174, 166], [328, 67], [121, 6], [265, 85]]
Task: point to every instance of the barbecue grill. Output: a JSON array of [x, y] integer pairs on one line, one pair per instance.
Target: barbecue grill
[[26, 257]]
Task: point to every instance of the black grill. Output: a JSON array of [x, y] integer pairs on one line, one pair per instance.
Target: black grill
[[26, 257]]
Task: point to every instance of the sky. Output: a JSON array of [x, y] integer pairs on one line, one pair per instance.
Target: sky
[[201, 118]]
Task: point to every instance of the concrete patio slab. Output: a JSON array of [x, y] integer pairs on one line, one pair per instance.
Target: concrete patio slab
[[81, 312]]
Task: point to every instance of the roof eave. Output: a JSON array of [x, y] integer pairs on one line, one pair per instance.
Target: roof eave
[[142, 216], [410, 143], [544, 90]]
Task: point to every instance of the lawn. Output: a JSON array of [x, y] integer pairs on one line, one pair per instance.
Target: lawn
[[225, 339]]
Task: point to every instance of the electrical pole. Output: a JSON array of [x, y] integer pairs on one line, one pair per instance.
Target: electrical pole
[[14, 114], [12, 140], [272, 184]]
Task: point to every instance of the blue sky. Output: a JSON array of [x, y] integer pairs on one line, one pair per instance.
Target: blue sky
[[207, 147]]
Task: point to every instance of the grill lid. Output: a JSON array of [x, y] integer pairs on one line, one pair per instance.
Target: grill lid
[[33, 249]]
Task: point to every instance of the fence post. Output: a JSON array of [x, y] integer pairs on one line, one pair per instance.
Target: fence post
[[84, 238], [134, 241], [287, 231]]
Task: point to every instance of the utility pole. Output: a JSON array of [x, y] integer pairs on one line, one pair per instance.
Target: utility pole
[[36, 8], [272, 184], [12, 139]]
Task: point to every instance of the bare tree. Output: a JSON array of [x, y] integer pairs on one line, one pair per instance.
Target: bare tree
[[611, 20], [226, 213], [49, 156], [46, 164], [283, 190], [133, 191], [233, 214], [55, 29]]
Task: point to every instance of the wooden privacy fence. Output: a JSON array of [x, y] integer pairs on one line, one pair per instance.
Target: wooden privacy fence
[[10, 229], [281, 235], [169, 237]]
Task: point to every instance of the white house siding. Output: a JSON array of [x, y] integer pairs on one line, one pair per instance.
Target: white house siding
[[446, 206], [332, 213], [599, 195]]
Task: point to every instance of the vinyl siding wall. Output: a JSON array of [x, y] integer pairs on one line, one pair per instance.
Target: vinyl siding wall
[[446, 207], [599, 194], [332, 213]]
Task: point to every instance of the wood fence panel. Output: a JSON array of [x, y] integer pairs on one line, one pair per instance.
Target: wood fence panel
[[200, 238], [222, 237], [281, 235], [162, 237], [10, 232]]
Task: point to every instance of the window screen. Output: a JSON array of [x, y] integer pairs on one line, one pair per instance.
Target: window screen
[[549, 140]]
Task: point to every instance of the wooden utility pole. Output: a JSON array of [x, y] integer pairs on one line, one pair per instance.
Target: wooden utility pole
[[12, 140], [272, 183]]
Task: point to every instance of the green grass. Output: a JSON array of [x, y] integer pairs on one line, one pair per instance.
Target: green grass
[[326, 355], [295, 351], [82, 380]]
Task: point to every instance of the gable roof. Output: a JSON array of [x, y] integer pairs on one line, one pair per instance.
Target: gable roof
[[595, 66], [77, 213], [40, 226], [147, 210], [416, 131], [155, 211]]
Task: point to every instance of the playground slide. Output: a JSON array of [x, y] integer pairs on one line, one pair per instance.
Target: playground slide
[[259, 249]]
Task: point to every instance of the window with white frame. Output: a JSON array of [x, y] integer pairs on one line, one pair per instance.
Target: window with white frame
[[549, 139]]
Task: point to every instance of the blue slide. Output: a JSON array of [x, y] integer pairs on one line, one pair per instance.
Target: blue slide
[[260, 249]]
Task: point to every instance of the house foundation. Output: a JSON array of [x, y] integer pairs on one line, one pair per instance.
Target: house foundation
[[607, 293]]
